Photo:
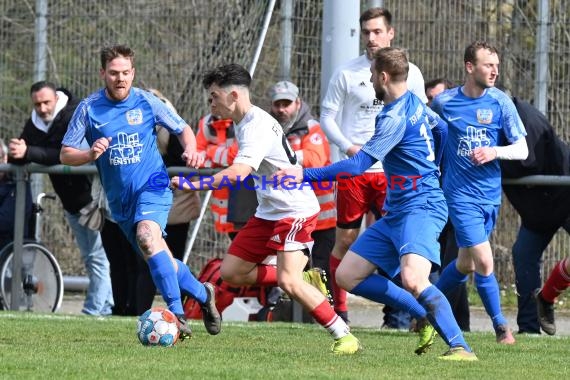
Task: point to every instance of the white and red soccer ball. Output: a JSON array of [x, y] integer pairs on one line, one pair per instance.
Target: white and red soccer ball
[[158, 326]]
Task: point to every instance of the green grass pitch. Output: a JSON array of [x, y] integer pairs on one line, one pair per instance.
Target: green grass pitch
[[55, 346]]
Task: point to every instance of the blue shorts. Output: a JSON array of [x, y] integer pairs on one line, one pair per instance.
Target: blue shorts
[[397, 234], [473, 222], [149, 205]]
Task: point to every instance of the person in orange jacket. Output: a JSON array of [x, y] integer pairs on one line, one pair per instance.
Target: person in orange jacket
[[216, 140], [312, 149], [231, 207]]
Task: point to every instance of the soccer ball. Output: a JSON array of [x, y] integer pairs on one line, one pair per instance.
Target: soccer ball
[[158, 327]]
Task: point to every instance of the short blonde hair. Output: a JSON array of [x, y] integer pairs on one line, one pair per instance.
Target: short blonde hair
[[393, 61]]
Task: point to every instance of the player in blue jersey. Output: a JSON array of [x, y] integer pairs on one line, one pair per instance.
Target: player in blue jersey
[[118, 121], [484, 127], [408, 140]]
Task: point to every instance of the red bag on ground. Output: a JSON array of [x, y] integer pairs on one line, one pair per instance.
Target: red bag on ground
[[225, 293]]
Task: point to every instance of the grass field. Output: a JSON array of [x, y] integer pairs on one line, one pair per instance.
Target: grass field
[[72, 347]]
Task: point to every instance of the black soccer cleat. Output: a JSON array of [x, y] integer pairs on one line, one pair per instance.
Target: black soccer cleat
[[545, 311], [210, 315]]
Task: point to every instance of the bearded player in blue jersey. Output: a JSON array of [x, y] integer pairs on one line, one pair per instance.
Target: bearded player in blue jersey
[[404, 240], [118, 121], [484, 127]]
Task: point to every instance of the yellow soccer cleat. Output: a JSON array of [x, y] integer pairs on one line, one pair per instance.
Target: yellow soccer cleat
[[427, 336], [347, 345], [317, 277], [459, 354]]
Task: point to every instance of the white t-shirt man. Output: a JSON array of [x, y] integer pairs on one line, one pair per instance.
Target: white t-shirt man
[[349, 108]]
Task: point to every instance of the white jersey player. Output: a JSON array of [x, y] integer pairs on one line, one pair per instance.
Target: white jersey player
[[263, 147], [285, 217]]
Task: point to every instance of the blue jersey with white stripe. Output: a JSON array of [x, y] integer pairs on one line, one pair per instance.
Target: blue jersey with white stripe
[[132, 162], [490, 120], [403, 141]]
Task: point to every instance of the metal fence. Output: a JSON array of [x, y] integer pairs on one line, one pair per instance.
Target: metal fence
[[176, 40]]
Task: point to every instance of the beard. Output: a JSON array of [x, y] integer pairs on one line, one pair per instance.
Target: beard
[[47, 118], [482, 84], [287, 123], [380, 94]]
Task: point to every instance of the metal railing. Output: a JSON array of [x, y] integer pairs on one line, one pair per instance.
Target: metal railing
[[21, 172]]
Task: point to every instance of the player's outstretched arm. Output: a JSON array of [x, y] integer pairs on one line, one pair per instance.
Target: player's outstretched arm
[[352, 166]]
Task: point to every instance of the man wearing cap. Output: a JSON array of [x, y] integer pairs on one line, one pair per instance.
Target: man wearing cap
[[312, 149]]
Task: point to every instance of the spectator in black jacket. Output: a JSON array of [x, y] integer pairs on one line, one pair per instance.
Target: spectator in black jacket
[[543, 209], [40, 142]]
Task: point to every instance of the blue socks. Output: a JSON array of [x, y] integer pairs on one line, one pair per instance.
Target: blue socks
[[431, 304], [450, 278], [441, 317], [380, 289], [165, 279], [169, 282], [488, 289], [189, 284]]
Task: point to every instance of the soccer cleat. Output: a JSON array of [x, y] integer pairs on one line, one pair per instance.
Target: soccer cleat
[[545, 311], [317, 277], [210, 315], [347, 345], [459, 354], [427, 336], [185, 331], [504, 335]]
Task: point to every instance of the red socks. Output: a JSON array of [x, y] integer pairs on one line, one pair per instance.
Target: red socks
[[266, 275], [326, 317], [324, 314], [557, 282], [339, 294]]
